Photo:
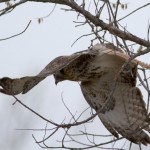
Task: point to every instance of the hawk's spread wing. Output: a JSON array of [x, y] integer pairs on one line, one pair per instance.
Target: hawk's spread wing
[[24, 84], [125, 114]]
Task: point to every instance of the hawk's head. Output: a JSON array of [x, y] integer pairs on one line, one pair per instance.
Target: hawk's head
[[59, 76]]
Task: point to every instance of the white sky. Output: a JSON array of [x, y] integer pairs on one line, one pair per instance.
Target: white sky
[[29, 53]]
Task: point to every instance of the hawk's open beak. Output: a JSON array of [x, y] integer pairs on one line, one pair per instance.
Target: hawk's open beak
[[56, 82]]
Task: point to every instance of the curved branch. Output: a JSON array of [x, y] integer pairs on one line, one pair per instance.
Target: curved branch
[[98, 22], [18, 33]]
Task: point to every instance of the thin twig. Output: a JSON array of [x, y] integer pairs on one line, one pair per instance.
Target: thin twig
[[133, 12], [18, 33]]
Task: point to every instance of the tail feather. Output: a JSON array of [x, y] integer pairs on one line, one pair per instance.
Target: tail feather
[[140, 138], [145, 140]]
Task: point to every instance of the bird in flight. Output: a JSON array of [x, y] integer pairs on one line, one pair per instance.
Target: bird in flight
[[107, 80]]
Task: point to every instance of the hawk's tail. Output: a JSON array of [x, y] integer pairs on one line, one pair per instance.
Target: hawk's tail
[[141, 137]]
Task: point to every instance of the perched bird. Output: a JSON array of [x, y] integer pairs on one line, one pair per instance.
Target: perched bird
[[108, 84]]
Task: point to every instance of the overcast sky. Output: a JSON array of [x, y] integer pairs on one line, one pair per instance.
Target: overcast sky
[[30, 52]]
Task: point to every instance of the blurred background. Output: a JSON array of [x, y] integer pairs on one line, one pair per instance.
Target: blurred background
[[29, 53]]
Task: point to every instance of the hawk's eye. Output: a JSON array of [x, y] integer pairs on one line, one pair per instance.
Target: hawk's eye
[[62, 71]]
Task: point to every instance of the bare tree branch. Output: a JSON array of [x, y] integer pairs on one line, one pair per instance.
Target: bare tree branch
[[97, 22]]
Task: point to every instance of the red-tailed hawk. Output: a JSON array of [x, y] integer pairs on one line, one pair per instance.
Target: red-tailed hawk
[[103, 79]]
